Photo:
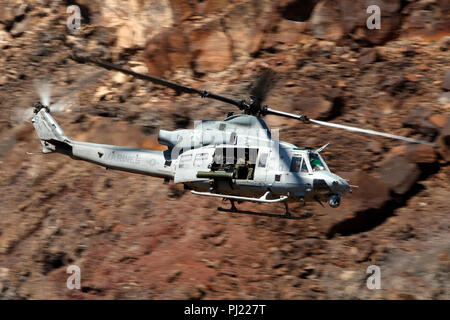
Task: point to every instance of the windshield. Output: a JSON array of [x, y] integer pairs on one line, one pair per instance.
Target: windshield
[[298, 164], [316, 162]]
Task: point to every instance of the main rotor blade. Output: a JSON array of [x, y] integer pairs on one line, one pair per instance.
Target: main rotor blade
[[341, 126], [267, 110], [262, 86], [372, 132], [172, 85], [254, 107], [69, 95]]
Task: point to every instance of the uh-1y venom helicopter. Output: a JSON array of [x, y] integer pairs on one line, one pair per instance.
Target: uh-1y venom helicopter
[[236, 159]]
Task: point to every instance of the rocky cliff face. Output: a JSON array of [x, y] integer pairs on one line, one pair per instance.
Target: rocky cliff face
[[134, 237]]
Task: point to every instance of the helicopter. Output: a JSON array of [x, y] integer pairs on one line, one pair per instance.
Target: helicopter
[[237, 159]]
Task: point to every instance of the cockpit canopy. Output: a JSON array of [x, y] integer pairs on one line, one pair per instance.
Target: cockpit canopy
[[316, 161], [307, 161]]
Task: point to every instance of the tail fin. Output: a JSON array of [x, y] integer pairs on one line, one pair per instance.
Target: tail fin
[[49, 132]]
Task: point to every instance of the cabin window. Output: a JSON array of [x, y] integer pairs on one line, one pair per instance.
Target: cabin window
[[235, 155], [252, 155], [295, 164], [233, 138], [262, 160], [240, 161]]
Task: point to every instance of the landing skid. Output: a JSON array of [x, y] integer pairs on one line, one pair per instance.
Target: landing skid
[[271, 215]]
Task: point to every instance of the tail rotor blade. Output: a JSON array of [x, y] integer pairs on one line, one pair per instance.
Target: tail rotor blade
[[65, 104], [43, 88]]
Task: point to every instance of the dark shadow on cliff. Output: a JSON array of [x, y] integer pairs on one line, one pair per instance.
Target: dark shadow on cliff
[[367, 220]]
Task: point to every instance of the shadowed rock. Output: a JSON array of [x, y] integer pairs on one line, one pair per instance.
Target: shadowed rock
[[398, 173]]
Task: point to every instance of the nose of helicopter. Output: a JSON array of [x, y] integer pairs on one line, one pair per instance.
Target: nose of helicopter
[[337, 184], [340, 185]]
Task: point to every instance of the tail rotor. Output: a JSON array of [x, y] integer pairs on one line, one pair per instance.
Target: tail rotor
[[68, 98]]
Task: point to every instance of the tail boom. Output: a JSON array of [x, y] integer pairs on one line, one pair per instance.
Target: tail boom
[[142, 161]]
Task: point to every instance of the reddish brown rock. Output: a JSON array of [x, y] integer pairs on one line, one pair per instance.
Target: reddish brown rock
[[5, 39], [399, 150], [181, 10], [209, 46], [398, 173], [439, 120], [375, 147], [414, 153], [444, 141], [390, 23], [6, 15], [252, 26], [211, 49], [426, 18], [368, 56], [353, 17], [446, 82], [290, 32], [417, 119], [325, 21], [421, 153], [315, 107], [386, 104], [444, 98], [372, 193], [166, 51]]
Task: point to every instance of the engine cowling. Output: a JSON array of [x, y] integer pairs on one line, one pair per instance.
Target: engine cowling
[[167, 138]]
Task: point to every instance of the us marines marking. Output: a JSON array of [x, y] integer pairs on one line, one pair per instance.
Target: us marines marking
[[123, 157]]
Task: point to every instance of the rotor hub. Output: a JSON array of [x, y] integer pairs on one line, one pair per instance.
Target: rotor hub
[[38, 106]]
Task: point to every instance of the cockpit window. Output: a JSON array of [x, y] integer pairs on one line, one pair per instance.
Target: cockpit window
[[298, 164], [316, 163]]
